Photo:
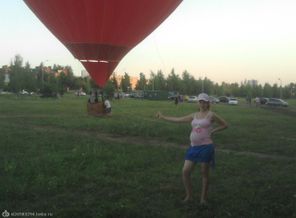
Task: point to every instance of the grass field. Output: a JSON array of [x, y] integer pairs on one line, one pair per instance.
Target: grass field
[[56, 159]]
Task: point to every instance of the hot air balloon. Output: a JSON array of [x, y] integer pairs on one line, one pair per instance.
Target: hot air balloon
[[99, 33]]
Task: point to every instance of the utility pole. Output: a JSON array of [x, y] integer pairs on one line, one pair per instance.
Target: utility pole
[[202, 85], [281, 93]]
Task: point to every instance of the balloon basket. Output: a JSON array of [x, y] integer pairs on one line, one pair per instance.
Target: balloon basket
[[96, 109]]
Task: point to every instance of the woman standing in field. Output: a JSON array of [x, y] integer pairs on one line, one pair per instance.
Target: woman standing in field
[[202, 149]]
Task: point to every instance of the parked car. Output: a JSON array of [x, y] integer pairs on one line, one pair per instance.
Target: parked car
[[214, 100], [223, 99], [24, 92], [233, 101], [192, 99], [263, 100], [185, 97], [276, 102], [5, 93], [173, 97], [127, 95], [80, 93]]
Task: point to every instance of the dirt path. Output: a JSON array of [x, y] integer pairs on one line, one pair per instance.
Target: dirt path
[[153, 142]]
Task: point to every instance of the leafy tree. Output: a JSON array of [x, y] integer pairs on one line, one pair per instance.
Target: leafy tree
[[38, 71], [29, 78], [2, 77], [93, 84], [142, 82], [18, 61], [217, 90], [159, 81], [66, 79], [151, 81], [109, 89], [204, 85], [83, 83], [17, 76], [22, 78], [235, 90], [208, 85], [125, 83], [275, 91], [290, 91], [173, 81], [267, 90], [115, 82], [226, 90], [187, 84], [49, 90]]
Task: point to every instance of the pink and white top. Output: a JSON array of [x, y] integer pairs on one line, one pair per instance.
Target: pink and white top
[[201, 130]]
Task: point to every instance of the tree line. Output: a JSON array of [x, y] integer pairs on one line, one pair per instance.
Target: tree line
[[187, 84], [59, 79]]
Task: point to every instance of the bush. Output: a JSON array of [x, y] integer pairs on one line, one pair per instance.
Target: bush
[[49, 90]]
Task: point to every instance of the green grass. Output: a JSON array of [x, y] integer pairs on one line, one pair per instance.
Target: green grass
[[55, 158], [292, 102]]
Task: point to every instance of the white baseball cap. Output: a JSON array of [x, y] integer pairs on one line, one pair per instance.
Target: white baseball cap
[[203, 97]]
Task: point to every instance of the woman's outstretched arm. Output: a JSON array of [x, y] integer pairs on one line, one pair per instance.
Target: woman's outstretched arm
[[186, 118]]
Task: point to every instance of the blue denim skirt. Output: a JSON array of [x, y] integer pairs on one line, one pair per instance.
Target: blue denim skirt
[[201, 154]]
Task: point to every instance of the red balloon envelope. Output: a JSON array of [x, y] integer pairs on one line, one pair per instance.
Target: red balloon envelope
[[100, 33]]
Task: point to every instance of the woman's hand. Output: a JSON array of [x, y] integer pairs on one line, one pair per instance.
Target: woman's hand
[[159, 115]]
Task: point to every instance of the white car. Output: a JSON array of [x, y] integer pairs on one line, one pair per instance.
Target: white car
[[214, 100], [80, 93], [192, 99], [233, 101], [24, 92]]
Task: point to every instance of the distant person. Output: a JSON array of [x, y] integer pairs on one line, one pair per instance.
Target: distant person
[[117, 96], [181, 98], [257, 101], [201, 149], [92, 98], [102, 96], [176, 100], [249, 100], [107, 106], [96, 97]]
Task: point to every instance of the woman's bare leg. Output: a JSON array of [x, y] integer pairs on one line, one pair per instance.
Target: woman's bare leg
[[187, 170], [205, 168]]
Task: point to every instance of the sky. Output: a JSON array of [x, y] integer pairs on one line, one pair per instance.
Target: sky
[[223, 40]]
